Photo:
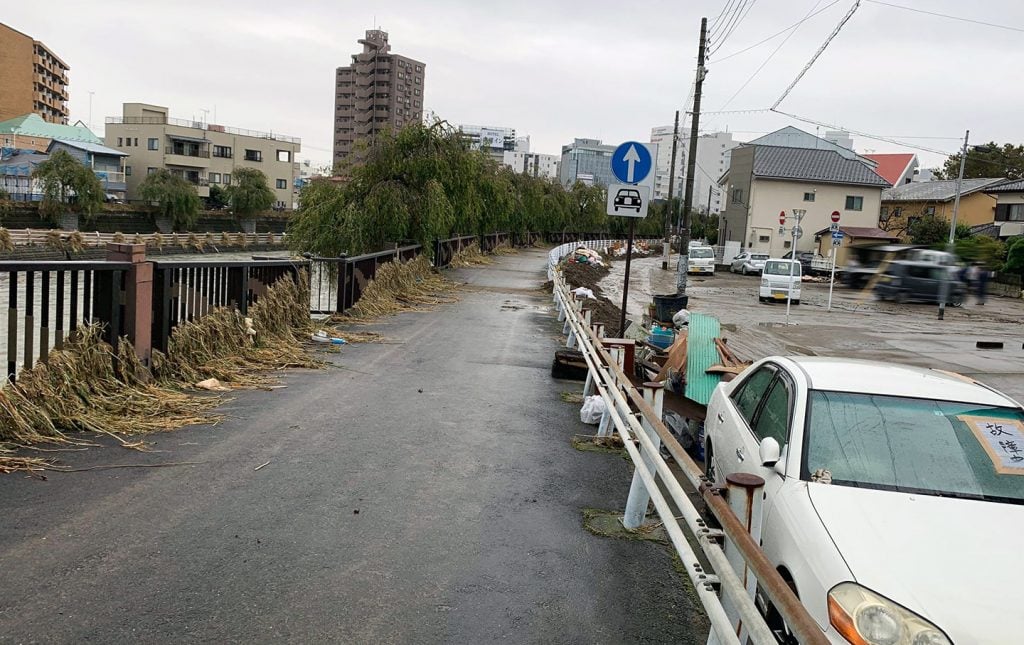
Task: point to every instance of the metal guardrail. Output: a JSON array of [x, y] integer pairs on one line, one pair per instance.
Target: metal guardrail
[[740, 567], [94, 239]]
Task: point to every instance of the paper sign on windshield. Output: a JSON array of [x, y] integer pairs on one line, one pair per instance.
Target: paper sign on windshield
[[1003, 440]]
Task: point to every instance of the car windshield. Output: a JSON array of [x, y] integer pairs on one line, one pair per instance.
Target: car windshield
[[702, 253], [781, 267], [916, 445]]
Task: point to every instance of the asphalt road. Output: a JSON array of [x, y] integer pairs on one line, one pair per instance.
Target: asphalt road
[[422, 491]]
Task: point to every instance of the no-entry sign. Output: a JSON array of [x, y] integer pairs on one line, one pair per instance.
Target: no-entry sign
[[835, 217]]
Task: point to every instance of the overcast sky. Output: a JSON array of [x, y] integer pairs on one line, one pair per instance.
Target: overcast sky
[[552, 69]]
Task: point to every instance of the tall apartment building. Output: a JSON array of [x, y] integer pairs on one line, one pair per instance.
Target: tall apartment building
[[379, 90], [532, 163], [202, 153], [714, 154], [662, 135], [32, 78]]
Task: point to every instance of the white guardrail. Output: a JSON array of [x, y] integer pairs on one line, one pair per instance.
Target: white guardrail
[[732, 551]]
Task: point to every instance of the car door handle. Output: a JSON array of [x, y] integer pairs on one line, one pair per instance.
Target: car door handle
[[721, 419], [739, 454]]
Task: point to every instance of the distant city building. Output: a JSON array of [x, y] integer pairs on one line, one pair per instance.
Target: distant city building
[[33, 80], [796, 138], [714, 152], [378, 91], [523, 144], [839, 137], [31, 132], [493, 140], [662, 135], [531, 163], [587, 161], [203, 154], [924, 174]]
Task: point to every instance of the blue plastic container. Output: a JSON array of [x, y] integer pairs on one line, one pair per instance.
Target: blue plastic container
[[661, 337]]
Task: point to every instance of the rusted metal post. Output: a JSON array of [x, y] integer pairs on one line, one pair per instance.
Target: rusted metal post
[[639, 496], [746, 499]]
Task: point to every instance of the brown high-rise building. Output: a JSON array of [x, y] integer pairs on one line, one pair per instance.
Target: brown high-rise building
[[32, 78], [378, 91]]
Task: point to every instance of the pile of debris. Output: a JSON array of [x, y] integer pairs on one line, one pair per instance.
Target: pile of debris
[[641, 248], [583, 255], [587, 275]]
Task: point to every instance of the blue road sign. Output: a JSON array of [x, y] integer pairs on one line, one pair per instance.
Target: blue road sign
[[837, 238], [631, 162]]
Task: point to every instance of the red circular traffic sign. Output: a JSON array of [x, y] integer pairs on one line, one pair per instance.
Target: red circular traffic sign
[[835, 217], [782, 217]]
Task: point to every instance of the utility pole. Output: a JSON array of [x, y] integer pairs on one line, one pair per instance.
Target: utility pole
[[691, 165], [670, 212], [952, 226]]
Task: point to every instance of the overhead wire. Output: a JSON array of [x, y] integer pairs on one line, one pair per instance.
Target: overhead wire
[[779, 33], [817, 54], [946, 15], [716, 19], [741, 12], [770, 57]]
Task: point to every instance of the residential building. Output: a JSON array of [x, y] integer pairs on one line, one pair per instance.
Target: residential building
[[380, 90], [765, 180], [903, 204], [202, 153], [32, 78], [662, 135], [16, 170], [587, 161], [853, 236], [531, 163], [897, 169], [714, 152], [493, 140], [107, 163], [31, 132], [1009, 216]]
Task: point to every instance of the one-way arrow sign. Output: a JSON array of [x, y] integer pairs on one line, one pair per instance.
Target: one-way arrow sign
[[631, 162]]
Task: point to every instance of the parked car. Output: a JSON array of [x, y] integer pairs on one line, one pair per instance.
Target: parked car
[[805, 258], [921, 282], [701, 259], [778, 279], [748, 262], [890, 493]]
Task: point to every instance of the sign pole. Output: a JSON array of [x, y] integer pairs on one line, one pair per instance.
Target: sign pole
[[832, 280], [625, 284]]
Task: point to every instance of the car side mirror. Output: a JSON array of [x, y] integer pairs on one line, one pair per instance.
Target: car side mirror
[[769, 452]]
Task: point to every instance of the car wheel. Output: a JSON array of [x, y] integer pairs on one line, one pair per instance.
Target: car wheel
[[796, 302], [744, 270], [900, 297], [709, 462], [957, 300], [776, 623]]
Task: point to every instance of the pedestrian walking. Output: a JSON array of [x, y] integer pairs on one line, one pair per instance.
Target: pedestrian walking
[[983, 276]]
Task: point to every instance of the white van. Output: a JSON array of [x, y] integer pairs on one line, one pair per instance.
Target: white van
[[776, 282], [701, 259]]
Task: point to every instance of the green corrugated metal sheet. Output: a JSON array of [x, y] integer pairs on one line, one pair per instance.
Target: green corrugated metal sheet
[[700, 355]]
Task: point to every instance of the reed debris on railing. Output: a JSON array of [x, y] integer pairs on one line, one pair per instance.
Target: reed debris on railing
[[469, 256], [402, 286]]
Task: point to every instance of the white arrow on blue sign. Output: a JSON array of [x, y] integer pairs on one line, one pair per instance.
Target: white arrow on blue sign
[[631, 162]]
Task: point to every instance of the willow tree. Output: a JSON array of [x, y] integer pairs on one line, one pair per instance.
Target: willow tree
[[68, 185], [175, 197], [249, 192]]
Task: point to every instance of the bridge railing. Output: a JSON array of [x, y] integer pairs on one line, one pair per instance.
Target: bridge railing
[[739, 566]]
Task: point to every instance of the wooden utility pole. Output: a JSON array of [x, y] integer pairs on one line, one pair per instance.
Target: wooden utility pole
[[691, 164], [670, 211]]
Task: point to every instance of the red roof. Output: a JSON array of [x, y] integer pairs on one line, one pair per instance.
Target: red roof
[[892, 166]]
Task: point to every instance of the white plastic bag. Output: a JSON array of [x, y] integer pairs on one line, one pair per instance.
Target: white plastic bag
[[592, 410], [681, 319], [581, 292]]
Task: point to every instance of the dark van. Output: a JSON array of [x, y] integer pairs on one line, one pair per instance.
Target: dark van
[[905, 281]]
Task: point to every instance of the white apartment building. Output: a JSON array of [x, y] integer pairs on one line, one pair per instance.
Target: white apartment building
[[714, 152], [662, 135], [532, 163]]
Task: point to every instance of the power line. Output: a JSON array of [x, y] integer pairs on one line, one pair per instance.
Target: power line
[[770, 57], [862, 134], [945, 15], [776, 35], [716, 19], [821, 50], [741, 17]]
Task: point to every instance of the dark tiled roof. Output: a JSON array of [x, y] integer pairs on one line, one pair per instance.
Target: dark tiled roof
[[934, 191], [807, 164], [1008, 186]]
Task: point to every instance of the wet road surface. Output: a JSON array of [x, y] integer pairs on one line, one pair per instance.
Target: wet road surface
[[421, 491]]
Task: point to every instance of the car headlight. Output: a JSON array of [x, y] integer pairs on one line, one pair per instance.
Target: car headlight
[[764, 282], [863, 617]]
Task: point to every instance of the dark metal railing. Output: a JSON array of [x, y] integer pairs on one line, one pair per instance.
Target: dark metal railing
[[184, 291], [446, 250], [47, 301]]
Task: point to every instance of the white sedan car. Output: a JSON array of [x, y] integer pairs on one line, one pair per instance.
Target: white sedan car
[[894, 496]]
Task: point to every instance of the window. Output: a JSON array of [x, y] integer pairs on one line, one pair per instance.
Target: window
[[418, 80], [253, 155], [751, 392], [737, 195], [223, 152], [419, 68], [401, 74], [150, 171], [120, 142], [282, 184], [153, 144], [930, 210], [773, 419], [809, 197], [416, 91], [214, 177], [226, 177], [896, 212], [883, 215], [764, 239], [136, 140], [787, 244], [127, 171], [1010, 213], [854, 203], [284, 155]]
